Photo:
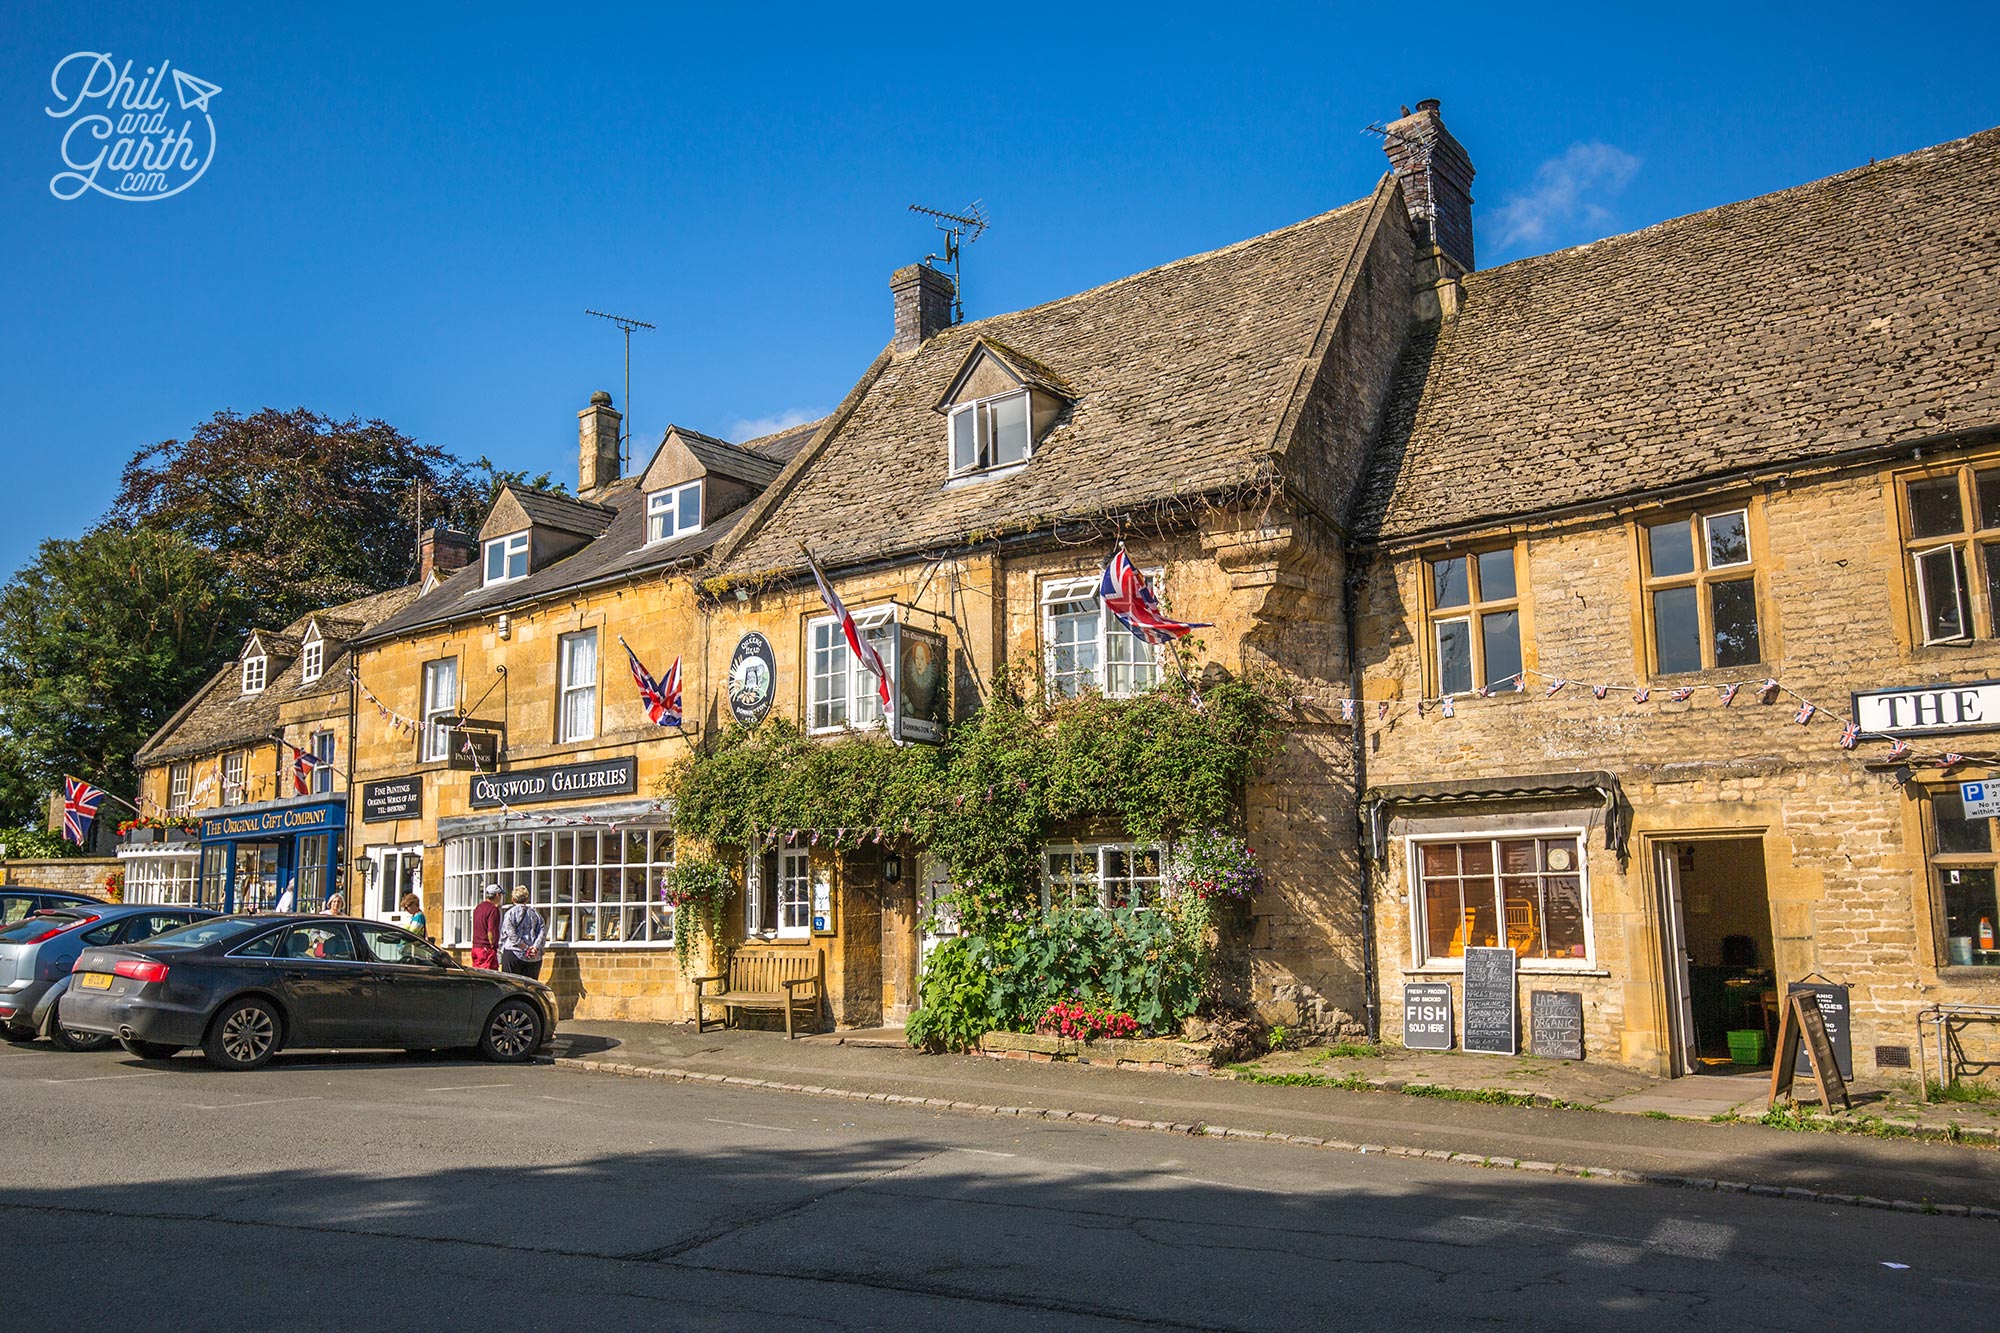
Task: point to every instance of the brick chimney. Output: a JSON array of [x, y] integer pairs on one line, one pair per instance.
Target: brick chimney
[[1436, 175], [597, 464], [923, 304], [441, 550]]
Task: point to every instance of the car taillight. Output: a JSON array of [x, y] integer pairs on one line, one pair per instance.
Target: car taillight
[[60, 927], [140, 970]]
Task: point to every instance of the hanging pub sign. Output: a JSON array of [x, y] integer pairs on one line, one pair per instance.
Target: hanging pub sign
[[753, 679], [1929, 709], [563, 782], [392, 798], [920, 664]]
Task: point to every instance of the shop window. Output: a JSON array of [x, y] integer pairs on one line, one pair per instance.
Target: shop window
[[844, 692], [309, 886], [1104, 875], [1090, 649], [440, 705], [674, 512], [234, 789], [1475, 614], [180, 779], [321, 746], [162, 878], [507, 558], [1951, 531], [596, 887], [990, 433], [577, 712], [1963, 862], [1526, 893], [1701, 593]]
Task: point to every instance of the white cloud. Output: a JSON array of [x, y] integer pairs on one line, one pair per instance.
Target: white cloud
[[754, 427], [1570, 192]]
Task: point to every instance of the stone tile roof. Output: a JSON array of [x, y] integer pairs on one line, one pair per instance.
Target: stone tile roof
[[221, 717], [1853, 311], [1181, 377], [565, 513], [721, 458], [783, 445]]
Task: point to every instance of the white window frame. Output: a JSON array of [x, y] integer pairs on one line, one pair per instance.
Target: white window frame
[[581, 693], [1140, 660], [980, 414], [1413, 872], [859, 697], [312, 657], [320, 746], [256, 673], [596, 887], [434, 736], [796, 877], [666, 512], [235, 789], [161, 878], [508, 547], [1954, 556], [1102, 852], [180, 788]]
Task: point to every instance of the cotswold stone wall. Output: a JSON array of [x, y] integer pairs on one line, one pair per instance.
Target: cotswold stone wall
[[1843, 844], [82, 874]]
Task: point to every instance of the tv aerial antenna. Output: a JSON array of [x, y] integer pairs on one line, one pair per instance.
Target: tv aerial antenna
[[960, 230], [627, 323]]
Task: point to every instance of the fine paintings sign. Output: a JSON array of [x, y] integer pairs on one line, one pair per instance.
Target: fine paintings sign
[[1492, 1016], [1555, 1024], [922, 673], [393, 798], [1427, 1016], [564, 782]]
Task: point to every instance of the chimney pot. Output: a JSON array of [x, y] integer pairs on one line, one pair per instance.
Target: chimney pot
[[597, 463], [1428, 104], [1436, 174], [441, 550], [923, 302]]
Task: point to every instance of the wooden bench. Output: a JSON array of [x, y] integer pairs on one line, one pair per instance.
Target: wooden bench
[[765, 978]]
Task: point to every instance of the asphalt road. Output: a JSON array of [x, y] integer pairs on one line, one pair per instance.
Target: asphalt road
[[387, 1193]]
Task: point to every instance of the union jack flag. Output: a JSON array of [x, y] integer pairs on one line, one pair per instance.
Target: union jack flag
[[80, 802], [1127, 595], [663, 696], [1599, 691], [1729, 694], [1641, 694], [1347, 710], [1849, 734], [1953, 760], [1555, 688], [1681, 695], [1898, 748], [1805, 713], [864, 651], [304, 765], [1445, 707]]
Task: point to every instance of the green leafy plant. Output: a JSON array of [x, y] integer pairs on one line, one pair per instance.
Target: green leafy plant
[[698, 891], [958, 1005]]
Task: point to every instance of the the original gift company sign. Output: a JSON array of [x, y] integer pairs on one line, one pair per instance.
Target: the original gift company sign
[[564, 782], [1924, 709]]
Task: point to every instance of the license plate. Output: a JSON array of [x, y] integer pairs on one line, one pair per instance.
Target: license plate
[[97, 981]]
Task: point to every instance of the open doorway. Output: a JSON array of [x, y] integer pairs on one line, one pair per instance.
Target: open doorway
[[1722, 988]]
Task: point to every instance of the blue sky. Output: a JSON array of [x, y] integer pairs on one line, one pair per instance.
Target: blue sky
[[409, 207]]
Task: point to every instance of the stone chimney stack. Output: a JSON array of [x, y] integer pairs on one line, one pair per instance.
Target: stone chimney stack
[[1436, 175], [442, 550], [923, 299], [597, 429]]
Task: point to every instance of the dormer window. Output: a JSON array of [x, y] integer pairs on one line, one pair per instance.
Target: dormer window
[[312, 657], [507, 558], [254, 671], [674, 512], [990, 433]]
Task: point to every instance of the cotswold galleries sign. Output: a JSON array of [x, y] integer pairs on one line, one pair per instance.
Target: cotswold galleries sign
[[564, 782], [275, 823]]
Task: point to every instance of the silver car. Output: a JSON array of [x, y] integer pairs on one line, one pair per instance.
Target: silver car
[[37, 952]]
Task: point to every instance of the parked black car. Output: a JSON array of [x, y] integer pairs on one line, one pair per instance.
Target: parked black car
[[16, 903], [244, 987], [37, 952]]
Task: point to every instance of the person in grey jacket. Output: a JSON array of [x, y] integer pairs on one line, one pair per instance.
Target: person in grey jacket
[[522, 935]]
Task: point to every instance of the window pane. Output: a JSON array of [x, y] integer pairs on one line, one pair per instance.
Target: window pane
[[1496, 576], [1562, 916], [496, 561], [1500, 637], [964, 454], [1520, 900], [1670, 546], [1454, 656], [1969, 899], [1676, 630], [1728, 539], [1934, 508], [1732, 608], [1991, 556], [1010, 429], [1440, 859], [1444, 919], [1988, 486], [1940, 589], [1448, 585], [1955, 833]]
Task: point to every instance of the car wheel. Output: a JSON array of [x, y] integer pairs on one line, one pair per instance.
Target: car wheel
[[20, 1036], [243, 1036], [512, 1034], [71, 1040], [148, 1050]]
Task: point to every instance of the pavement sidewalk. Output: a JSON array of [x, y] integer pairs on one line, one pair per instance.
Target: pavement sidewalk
[[1910, 1175]]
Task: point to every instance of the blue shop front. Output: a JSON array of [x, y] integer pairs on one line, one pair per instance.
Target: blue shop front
[[273, 855]]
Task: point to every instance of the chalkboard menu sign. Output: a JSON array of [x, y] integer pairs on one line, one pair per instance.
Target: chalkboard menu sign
[[1555, 1024], [1833, 1009], [1492, 1018], [1427, 1016]]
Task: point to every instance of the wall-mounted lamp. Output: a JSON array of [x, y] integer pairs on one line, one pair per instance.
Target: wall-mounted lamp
[[742, 594], [892, 867], [504, 627]]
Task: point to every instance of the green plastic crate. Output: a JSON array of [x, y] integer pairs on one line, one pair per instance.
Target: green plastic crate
[[1747, 1046]]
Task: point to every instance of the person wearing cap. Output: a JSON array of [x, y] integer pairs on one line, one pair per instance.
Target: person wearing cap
[[486, 930]]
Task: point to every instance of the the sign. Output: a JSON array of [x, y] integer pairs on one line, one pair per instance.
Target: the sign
[[275, 823], [1492, 1017], [563, 782], [922, 672], [392, 798], [471, 748], [1427, 1016], [1929, 709], [1980, 798], [1802, 1032], [1555, 1024], [822, 905], [753, 679], [1834, 1017]]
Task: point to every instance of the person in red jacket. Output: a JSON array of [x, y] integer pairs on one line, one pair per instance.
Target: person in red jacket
[[486, 930]]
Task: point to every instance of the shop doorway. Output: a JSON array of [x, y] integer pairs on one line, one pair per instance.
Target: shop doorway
[[394, 871], [1721, 982]]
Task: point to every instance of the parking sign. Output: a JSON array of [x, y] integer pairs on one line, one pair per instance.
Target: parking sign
[[1981, 798]]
